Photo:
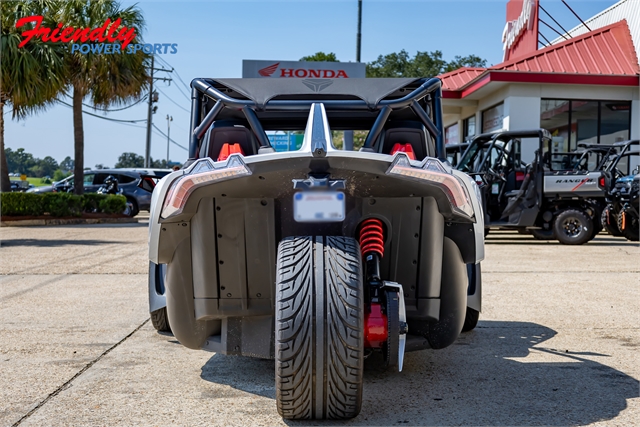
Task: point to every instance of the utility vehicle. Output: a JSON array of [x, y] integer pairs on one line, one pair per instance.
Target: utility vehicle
[[317, 258], [619, 180], [541, 197]]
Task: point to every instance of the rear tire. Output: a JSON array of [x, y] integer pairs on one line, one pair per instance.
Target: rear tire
[[610, 222], [543, 234], [470, 320], [573, 227], [630, 230], [134, 207], [160, 320], [319, 343]]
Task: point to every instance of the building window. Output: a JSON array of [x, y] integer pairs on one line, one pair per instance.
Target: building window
[[469, 127], [573, 122], [451, 134], [493, 118]]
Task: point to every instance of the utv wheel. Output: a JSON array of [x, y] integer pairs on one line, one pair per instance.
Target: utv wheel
[[470, 320], [610, 223], [160, 321], [628, 226], [543, 234], [573, 227], [319, 342]]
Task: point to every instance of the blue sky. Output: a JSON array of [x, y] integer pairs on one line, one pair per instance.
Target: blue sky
[[214, 37]]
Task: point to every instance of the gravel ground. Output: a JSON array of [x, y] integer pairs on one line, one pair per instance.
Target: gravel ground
[[557, 343]]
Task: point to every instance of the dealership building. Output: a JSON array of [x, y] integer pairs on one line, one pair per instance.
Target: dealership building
[[584, 87]]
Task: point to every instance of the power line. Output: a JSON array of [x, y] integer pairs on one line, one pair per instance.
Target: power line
[[165, 135], [186, 86], [179, 106], [116, 109], [101, 117]]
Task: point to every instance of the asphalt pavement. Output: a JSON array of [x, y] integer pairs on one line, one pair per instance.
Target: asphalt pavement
[[557, 343]]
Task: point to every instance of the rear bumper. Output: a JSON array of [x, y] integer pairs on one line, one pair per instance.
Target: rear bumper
[[270, 182]]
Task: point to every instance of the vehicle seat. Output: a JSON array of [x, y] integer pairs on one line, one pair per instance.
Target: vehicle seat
[[229, 132], [407, 132]]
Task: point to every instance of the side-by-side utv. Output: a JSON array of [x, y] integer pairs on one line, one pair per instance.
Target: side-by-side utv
[[317, 258], [455, 152], [619, 180], [550, 203]]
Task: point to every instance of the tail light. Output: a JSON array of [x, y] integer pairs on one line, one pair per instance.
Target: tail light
[[404, 148], [601, 182], [434, 173], [519, 176], [202, 173]]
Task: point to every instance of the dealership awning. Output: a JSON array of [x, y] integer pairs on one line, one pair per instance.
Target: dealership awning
[[605, 56]]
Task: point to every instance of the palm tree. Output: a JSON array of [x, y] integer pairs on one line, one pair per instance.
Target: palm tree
[[106, 79], [31, 77]]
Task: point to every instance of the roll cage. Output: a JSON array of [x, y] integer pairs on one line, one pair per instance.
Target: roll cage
[[350, 104], [482, 146]]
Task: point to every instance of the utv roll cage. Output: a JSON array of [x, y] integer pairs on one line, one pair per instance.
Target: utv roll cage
[[489, 140], [621, 149], [268, 104]]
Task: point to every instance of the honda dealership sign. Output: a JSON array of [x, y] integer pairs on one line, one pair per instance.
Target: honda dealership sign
[[302, 70]]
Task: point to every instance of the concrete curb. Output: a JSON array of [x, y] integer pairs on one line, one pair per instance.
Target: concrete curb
[[73, 221]]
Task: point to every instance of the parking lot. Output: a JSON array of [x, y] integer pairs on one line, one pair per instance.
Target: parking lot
[[557, 343]]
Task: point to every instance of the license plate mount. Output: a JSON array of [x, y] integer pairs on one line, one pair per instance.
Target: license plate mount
[[319, 206]]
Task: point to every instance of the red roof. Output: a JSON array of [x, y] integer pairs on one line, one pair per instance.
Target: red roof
[[606, 51], [460, 77]]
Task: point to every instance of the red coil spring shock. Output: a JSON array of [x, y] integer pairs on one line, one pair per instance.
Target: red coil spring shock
[[371, 237]]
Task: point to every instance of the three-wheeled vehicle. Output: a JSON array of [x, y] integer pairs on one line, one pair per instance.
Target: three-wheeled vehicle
[[318, 257], [619, 181], [550, 203]]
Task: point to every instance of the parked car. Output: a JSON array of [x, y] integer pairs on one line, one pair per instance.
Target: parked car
[[318, 257], [136, 184]]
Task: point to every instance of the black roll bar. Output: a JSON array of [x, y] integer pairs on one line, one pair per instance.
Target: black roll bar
[[431, 86]]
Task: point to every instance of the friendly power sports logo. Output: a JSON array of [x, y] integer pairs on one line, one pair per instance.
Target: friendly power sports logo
[[110, 38]]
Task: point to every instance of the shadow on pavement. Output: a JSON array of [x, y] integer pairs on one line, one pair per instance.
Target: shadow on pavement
[[46, 243], [499, 374]]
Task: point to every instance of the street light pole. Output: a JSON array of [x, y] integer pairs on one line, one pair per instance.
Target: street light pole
[[169, 120]]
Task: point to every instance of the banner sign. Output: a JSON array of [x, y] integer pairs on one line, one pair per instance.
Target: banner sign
[[302, 70]]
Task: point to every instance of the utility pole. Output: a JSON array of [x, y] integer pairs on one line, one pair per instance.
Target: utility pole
[[359, 36], [348, 134], [153, 97], [169, 120], [147, 150]]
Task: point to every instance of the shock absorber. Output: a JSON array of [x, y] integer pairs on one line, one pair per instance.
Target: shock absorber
[[372, 247], [371, 237]]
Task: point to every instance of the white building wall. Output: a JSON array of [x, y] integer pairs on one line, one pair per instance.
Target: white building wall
[[522, 113]]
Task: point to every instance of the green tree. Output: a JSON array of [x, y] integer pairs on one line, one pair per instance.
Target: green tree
[[67, 164], [19, 161], [423, 64], [44, 167], [31, 76], [465, 61], [106, 80], [129, 160], [320, 57]]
